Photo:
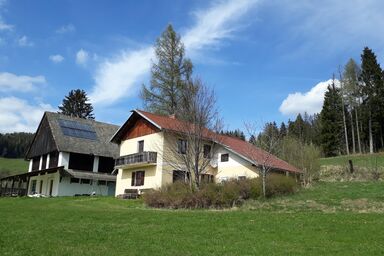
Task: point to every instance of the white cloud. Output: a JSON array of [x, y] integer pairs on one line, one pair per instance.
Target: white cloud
[[57, 58], [17, 115], [66, 29], [216, 23], [24, 41], [82, 57], [12, 82], [119, 77], [310, 102], [5, 26]]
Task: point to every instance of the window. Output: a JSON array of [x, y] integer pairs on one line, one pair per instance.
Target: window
[[206, 178], [207, 151], [140, 146], [33, 187], [180, 176], [224, 157], [181, 146], [75, 180], [137, 178], [101, 182], [241, 177], [41, 187], [85, 181]]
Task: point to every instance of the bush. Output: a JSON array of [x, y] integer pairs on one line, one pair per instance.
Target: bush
[[278, 184], [229, 194]]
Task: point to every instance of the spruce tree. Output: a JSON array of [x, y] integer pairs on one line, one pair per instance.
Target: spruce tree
[[170, 75], [331, 121], [76, 104], [373, 95]]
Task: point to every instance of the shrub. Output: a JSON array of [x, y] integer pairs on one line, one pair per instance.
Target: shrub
[[228, 194], [278, 184]]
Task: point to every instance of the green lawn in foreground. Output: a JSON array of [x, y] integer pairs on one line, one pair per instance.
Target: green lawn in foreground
[[358, 160], [13, 166], [108, 226]]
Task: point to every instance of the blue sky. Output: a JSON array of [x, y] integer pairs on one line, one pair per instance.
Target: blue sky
[[266, 60]]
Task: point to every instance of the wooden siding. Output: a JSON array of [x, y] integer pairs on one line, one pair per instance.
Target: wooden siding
[[43, 142], [140, 128]]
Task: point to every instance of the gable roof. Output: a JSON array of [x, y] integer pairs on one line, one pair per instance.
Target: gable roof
[[242, 148], [50, 129]]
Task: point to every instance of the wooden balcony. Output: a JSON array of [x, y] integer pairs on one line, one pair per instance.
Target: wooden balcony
[[141, 159]]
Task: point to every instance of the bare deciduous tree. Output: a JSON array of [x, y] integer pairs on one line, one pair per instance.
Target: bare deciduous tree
[[191, 145], [269, 142]]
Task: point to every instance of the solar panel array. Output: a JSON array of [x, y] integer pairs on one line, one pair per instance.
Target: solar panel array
[[78, 130]]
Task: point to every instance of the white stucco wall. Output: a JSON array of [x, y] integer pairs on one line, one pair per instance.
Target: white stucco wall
[[235, 167], [63, 159], [46, 178], [70, 189], [153, 173]]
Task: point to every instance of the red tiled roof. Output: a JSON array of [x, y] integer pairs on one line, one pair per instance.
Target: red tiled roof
[[240, 147]]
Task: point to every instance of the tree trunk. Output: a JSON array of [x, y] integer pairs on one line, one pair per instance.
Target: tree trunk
[[345, 130], [358, 131], [353, 134], [370, 133], [264, 174]]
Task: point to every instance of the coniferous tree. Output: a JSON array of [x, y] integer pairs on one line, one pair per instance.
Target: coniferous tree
[[331, 121], [373, 95], [283, 130], [170, 75], [76, 104]]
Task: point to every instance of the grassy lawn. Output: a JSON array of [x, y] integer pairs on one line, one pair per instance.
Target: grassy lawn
[[12, 166], [289, 225], [358, 160]]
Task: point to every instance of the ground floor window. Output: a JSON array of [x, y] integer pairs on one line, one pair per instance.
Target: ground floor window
[[206, 178], [241, 177], [182, 176], [75, 180], [101, 182], [138, 178], [33, 187]]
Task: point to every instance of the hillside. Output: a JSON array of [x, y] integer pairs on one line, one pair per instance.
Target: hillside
[[12, 166], [364, 160]]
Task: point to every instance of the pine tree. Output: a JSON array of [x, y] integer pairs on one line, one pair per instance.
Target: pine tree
[[76, 104], [331, 121], [170, 75]]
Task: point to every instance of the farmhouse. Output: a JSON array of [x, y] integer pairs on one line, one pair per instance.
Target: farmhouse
[[147, 139], [68, 156]]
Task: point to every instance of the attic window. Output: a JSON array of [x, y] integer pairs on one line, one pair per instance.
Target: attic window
[[77, 129], [224, 157]]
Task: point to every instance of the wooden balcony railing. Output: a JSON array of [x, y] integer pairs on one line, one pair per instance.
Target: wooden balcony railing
[[137, 158]]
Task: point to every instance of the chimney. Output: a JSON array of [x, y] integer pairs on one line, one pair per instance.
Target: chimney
[[173, 116]]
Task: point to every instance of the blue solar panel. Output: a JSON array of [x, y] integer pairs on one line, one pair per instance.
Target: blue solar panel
[[78, 130]]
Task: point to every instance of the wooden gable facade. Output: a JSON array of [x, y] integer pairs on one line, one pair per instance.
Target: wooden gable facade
[[43, 142], [135, 126]]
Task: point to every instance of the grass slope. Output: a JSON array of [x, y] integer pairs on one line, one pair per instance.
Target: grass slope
[[108, 226], [365, 160], [12, 166]]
